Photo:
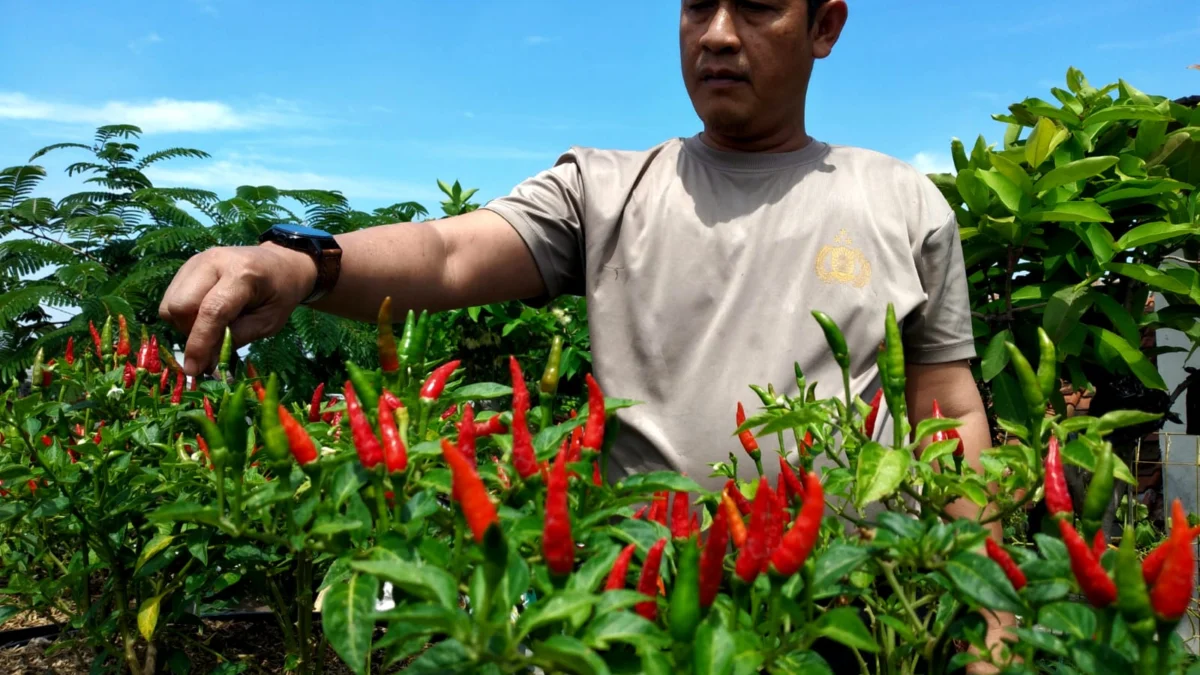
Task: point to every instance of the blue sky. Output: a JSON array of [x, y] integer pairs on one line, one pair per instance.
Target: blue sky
[[379, 99]]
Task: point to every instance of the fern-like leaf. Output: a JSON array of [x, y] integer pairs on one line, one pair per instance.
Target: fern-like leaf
[[57, 146], [171, 153]]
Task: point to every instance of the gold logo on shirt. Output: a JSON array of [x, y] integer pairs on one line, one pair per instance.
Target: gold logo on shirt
[[841, 263]]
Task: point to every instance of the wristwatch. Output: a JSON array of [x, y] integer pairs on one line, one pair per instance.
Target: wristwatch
[[318, 244]]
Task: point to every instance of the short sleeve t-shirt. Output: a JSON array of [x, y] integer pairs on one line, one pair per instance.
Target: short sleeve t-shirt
[[701, 269]]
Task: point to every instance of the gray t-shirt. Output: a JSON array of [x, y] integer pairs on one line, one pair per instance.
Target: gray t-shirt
[[701, 269]]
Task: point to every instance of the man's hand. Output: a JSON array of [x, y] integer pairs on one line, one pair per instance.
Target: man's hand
[[250, 289]]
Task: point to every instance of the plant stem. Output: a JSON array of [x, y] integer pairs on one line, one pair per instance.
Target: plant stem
[[890, 574], [304, 606]]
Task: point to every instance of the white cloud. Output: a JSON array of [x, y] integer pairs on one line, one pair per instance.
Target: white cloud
[[162, 115], [225, 175], [932, 162], [145, 41]]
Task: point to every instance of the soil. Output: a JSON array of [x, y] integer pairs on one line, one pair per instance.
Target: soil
[[250, 647]]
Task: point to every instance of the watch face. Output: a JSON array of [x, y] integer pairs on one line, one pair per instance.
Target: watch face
[[300, 231]]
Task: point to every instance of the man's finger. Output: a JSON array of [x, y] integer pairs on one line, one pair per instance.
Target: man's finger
[[220, 306], [182, 300]]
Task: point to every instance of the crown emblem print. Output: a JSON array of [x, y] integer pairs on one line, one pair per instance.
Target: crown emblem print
[[842, 263]]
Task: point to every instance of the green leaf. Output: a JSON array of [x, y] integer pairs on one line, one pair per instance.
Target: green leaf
[[982, 581], [1098, 239], [1135, 189], [147, 616], [1045, 137], [845, 626], [7, 612], [1069, 212], [423, 581], [185, 512], [932, 425], [712, 649], [447, 656], [834, 563], [880, 472], [347, 616], [1152, 277], [570, 607], [571, 654], [479, 391], [1118, 315], [1133, 357], [1010, 193], [973, 191], [1064, 310], [1118, 113], [594, 570], [1153, 233], [1075, 619], [995, 357], [1073, 172], [624, 627], [153, 547], [1013, 171], [935, 451], [791, 420], [656, 481]]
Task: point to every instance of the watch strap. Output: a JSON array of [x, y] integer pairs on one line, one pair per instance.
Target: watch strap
[[329, 265]]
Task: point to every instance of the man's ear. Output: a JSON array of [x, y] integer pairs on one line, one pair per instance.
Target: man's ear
[[827, 27]]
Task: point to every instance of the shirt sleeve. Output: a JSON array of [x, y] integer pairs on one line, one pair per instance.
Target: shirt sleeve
[[939, 329], [547, 211]]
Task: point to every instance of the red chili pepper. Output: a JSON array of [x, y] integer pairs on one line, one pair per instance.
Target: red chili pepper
[[370, 452], [302, 447], [47, 441], [436, 382], [490, 426], [641, 513], [658, 511], [395, 455], [1058, 499], [208, 410], [806, 444], [96, 439], [1097, 587], [1153, 563], [1006, 563], [737, 526], [869, 425], [466, 435], [593, 427], [33, 488], [259, 390], [523, 457], [620, 569], [314, 408], [336, 423], [1173, 589], [680, 510], [122, 336], [153, 362], [794, 487], [739, 499], [597, 477], [558, 548], [694, 525], [648, 581], [204, 448], [949, 434], [47, 374], [576, 439], [477, 506], [128, 376], [143, 353], [95, 339], [163, 381], [712, 559], [802, 536], [754, 554], [449, 412], [69, 356], [393, 400], [1099, 544], [177, 392], [749, 443], [776, 522], [501, 474]]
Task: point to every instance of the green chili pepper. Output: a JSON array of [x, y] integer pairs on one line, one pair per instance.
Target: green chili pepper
[[1133, 598], [1030, 386], [420, 342], [404, 351], [363, 386], [106, 336], [226, 352], [895, 374], [801, 382], [549, 382], [1099, 493], [683, 609], [274, 437], [232, 419], [835, 338], [35, 373], [217, 447], [1047, 371], [765, 397]]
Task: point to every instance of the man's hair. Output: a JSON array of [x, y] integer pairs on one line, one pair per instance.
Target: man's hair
[[813, 6]]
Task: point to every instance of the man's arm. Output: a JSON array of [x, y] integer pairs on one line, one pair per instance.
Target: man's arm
[[953, 385], [472, 259]]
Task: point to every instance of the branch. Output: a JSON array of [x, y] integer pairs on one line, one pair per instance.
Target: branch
[[56, 242], [1182, 260]]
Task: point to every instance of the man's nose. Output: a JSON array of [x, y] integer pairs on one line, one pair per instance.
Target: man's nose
[[721, 33]]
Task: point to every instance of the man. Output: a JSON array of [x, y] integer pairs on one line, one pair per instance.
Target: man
[[701, 259]]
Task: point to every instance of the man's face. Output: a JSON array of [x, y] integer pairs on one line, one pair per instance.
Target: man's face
[[746, 64]]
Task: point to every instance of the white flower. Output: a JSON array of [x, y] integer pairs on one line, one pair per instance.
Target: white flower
[[116, 393]]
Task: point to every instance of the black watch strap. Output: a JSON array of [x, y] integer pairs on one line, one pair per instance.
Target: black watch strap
[[318, 245]]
